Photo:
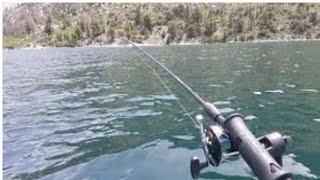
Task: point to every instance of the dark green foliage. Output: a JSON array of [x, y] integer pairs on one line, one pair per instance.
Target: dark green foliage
[[48, 26], [210, 27], [187, 13], [11, 42], [74, 24], [111, 34], [129, 29], [66, 23], [196, 16], [97, 28], [295, 26], [29, 26], [236, 26], [263, 34], [192, 31], [178, 11], [172, 31], [313, 19], [137, 18], [85, 26], [168, 16], [147, 23], [78, 32], [66, 37]]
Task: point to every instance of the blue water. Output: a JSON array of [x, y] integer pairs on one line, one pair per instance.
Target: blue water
[[100, 113]]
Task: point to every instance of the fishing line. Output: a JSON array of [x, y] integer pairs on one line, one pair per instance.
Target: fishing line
[[170, 91], [196, 122], [178, 102], [173, 75]]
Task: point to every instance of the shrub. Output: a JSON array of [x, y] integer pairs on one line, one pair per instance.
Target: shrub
[[129, 29], [263, 34], [29, 26], [78, 32], [196, 16], [169, 16], [66, 37], [313, 18], [175, 31], [178, 11], [249, 37], [66, 23], [97, 28], [209, 28], [308, 35], [121, 32], [111, 34], [172, 31], [13, 42], [85, 25], [192, 31], [137, 18], [147, 23]]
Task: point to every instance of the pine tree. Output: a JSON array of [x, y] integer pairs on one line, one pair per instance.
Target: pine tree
[[48, 26]]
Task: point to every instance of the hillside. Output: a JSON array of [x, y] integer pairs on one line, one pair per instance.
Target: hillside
[[75, 24]]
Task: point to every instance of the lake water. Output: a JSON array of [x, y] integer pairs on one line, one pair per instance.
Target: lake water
[[100, 113]]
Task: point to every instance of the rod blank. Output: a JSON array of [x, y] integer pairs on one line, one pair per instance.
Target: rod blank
[[212, 111]]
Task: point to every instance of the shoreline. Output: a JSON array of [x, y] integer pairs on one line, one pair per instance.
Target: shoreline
[[115, 45]]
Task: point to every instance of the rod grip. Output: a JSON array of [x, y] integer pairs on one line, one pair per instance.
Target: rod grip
[[257, 157]]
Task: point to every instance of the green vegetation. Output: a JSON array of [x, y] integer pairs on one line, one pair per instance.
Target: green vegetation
[[67, 37], [101, 23], [12, 42]]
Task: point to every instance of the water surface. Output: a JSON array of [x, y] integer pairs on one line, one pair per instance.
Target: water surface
[[100, 113]]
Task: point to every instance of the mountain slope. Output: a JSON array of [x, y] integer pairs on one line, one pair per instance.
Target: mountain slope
[[76, 24]]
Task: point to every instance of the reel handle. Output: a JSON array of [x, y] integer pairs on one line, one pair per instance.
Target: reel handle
[[196, 166]]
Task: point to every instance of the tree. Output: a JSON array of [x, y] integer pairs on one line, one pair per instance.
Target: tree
[[172, 31], [236, 26], [85, 25], [210, 27], [147, 22], [313, 18], [29, 25], [129, 29], [196, 16], [178, 11], [187, 13], [137, 18], [78, 32], [48, 26], [66, 23], [111, 33], [97, 28], [191, 31], [168, 16]]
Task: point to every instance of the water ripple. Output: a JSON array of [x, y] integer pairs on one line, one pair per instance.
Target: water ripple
[[99, 113]]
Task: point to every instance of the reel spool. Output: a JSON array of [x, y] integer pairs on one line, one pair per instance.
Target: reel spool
[[215, 141]]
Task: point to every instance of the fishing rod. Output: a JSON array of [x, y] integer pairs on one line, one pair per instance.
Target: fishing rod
[[231, 136]]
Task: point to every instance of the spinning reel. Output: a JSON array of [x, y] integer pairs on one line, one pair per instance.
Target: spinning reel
[[216, 141]]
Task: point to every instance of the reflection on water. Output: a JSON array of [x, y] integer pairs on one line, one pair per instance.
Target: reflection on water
[[100, 113]]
